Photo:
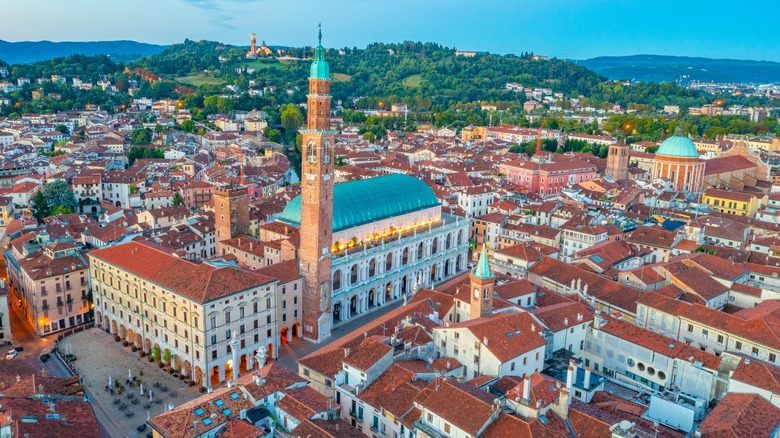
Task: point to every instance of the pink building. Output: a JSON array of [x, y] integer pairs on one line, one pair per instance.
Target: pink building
[[548, 177]]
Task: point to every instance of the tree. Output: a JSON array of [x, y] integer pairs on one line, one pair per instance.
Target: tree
[[291, 117], [272, 134], [141, 136], [63, 129], [59, 198], [177, 199], [156, 353], [40, 207], [188, 126], [167, 356]]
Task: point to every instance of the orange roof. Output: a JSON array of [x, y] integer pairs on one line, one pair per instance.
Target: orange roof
[[741, 415], [199, 282], [509, 335]]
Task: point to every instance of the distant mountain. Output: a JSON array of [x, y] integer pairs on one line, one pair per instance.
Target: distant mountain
[[32, 51], [658, 68]]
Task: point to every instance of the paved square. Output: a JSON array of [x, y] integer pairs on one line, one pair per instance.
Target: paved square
[[99, 357]]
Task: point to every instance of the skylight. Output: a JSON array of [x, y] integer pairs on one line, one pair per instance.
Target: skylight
[[206, 421], [219, 403], [234, 396], [199, 412]]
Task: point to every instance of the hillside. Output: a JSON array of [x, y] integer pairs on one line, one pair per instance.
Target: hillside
[[33, 51], [657, 68]]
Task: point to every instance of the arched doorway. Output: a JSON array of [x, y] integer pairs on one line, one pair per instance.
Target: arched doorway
[[186, 370], [242, 364], [147, 346], [296, 330], [337, 312], [122, 332], [433, 273], [447, 268], [229, 370], [131, 336], [139, 341], [198, 376], [371, 298], [389, 290], [215, 375], [457, 264], [283, 335], [403, 284], [353, 306]]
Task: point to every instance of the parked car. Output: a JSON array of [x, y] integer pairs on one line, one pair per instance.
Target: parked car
[[11, 354]]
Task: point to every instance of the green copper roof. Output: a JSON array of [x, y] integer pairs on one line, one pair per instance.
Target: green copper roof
[[482, 271], [678, 145], [319, 68], [369, 200]]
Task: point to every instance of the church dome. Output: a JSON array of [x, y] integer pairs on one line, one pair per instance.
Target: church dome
[[678, 145], [369, 200]]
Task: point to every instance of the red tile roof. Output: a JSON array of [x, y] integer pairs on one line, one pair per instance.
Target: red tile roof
[[521, 325], [741, 415], [199, 282], [464, 406]]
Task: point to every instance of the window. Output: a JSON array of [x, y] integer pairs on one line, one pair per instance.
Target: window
[[738, 345], [754, 351], [446, 428], [430, 417], [690, 328], [720, 339], [772, 357]]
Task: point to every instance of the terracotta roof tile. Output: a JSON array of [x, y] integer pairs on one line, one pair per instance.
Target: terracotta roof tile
[[741, 415]]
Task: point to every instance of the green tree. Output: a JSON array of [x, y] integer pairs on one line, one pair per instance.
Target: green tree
[[369, 137], [59, 198], [63, 129], [291, 118], [167, 356], [272, 134], [141, 136], [188, 126], [40, 207], [155, 353], [177, 199]]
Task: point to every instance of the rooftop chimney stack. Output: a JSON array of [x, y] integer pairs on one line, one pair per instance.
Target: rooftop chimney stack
[[527, 389]]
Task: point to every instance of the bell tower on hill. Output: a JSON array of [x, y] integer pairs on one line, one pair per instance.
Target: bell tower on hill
[[317, 202]]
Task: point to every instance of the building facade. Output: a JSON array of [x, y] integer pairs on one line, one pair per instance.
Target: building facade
[[205, 320], [677, 161], [617, 162]]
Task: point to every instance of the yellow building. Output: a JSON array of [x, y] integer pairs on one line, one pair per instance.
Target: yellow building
[[737, 203]]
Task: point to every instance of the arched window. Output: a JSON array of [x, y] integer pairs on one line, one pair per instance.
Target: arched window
[[371, 268], [420, 251], [389, 262], [435, 245], [311, 152], [324, 152], [353, 277], [405, 257], [460, 237], [448, 242], [336, 279]]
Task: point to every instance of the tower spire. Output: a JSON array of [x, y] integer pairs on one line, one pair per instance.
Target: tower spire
[[482, 271], [319, 33]]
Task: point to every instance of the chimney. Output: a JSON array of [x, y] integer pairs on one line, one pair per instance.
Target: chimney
[[587, 379], [569, 377], [562, 408], [527, 389], [485, 340], [346, 352]]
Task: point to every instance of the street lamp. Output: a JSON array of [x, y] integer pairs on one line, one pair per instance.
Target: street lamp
[[40, 324]]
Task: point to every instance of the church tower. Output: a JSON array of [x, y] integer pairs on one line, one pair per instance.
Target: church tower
[[482, 282], [317, 202], [617, 162]]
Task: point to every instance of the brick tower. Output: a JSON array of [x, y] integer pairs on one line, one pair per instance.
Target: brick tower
[[617, 162], [317, 202], [482, 282], [231, 210]]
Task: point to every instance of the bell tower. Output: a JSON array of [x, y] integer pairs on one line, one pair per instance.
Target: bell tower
[[317, 202], [482, 283]]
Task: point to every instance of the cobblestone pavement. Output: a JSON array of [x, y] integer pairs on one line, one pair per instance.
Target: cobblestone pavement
[[99, 357]]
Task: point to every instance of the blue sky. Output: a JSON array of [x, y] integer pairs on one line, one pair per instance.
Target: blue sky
[[585, 28]]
